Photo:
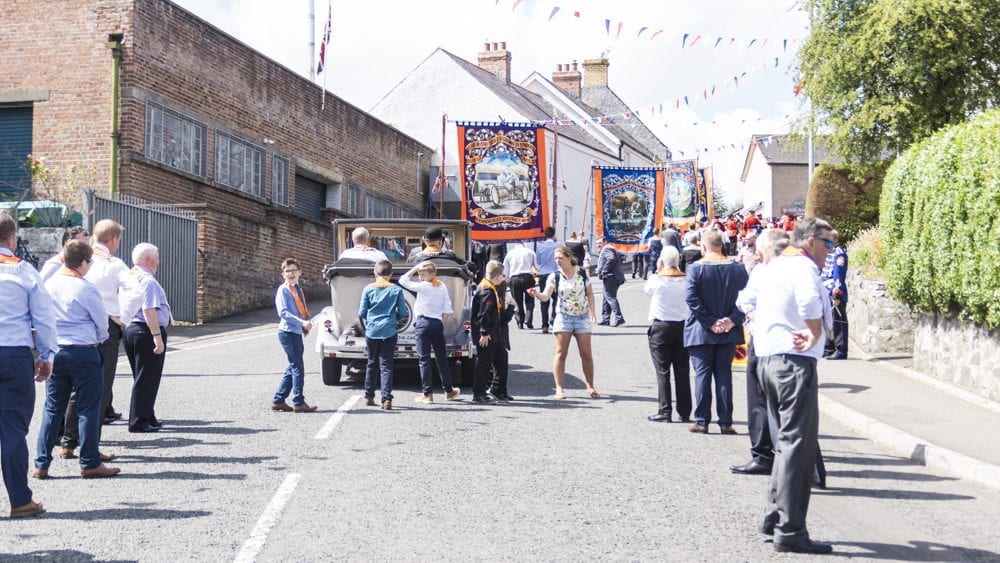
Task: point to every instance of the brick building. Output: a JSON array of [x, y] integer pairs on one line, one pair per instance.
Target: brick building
[[776, 174], [161, 106]]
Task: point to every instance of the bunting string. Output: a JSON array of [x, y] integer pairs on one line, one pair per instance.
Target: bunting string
[[683, 40]]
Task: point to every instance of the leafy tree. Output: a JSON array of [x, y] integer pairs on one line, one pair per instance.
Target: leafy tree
[[883, 74]]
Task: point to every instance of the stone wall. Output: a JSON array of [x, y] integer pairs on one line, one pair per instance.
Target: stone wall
[[960, 353], [878, 324], [43, 242]]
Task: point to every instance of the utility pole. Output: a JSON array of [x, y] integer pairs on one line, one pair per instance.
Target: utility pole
[[312, 40]]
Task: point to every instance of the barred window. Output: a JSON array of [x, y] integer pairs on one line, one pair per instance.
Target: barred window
[[377, 207], [353, 197], [175, 139], [238, 164], [279, 180]]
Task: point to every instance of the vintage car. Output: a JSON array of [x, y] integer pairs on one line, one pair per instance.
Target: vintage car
[[340, 334]]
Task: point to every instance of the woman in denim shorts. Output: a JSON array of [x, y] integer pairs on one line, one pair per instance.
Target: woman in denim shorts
[[574, 317]]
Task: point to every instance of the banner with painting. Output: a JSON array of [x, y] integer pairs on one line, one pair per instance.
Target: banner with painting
[[629, 204], [706, 210], [681, 198], [504, 185]]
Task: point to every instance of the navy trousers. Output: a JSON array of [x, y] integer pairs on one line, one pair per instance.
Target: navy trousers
[[82, 370], [17, 404], [713, 362], [380, 356], [430, 336]]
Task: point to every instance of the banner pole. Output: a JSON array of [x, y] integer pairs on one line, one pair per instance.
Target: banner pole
[[555, 173]]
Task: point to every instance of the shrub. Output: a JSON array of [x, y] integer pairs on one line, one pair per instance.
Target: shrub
[[846, 195], [867, 253], [939, 220]]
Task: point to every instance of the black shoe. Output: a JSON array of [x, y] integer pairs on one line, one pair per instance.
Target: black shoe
[[484, 400], [660, 417], [108, 420], [110, 413], [753, 467], [604, 323], [497, 396], [619, 323], [520, 326], [507, 397], [144, 429], [156, 424], [819, 484], [803, 546], [685, 419], [530, 327]]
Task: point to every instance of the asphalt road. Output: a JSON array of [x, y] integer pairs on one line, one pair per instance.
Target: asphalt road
[[577, 479]]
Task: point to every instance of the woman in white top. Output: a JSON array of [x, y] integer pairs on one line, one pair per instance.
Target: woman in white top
[[429, 309], [574, 317], [668, 310]]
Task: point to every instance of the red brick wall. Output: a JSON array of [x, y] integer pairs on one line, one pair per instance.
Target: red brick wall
[[171, 57]]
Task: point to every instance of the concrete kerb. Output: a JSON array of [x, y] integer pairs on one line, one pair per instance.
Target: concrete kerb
[[908, 445]]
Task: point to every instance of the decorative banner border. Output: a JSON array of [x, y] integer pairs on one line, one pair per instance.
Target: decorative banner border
[[629, 205], [504, 185], [706, 209]]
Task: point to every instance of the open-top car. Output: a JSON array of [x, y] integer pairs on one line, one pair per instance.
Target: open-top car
[[340, 337]]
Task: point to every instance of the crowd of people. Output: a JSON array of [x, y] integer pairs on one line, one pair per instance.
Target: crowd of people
[[75, 314]]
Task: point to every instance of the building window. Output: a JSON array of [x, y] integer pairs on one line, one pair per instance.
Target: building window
[[333, 196], [279, 180], [175, 140], [238, 164], [353, 197], [380, 208]]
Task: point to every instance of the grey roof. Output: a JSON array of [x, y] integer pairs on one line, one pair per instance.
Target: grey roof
[[529, 104], [779, 149], [604, 99]]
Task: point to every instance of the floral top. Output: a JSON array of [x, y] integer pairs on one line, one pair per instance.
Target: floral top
[[572, 293]]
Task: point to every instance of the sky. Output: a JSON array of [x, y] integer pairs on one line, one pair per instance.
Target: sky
[[376, 43]]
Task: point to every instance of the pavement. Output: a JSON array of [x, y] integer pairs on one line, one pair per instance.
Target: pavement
[[926, 420]]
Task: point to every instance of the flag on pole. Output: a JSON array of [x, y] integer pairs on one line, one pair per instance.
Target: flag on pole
[[326, 39]]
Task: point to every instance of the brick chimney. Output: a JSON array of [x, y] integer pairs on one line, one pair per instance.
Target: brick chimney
[[595, 72], [496, 60], [568, 78]]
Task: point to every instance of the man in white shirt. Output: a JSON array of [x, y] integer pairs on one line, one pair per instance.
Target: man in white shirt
[[545, 252], [519, 266], [789, 324], [52, 265], [362, 250]]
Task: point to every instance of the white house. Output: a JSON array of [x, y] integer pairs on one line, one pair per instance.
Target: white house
[[776, 174], [444, 84]]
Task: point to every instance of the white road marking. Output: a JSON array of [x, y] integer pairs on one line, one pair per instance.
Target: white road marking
[[327, 429], [123, 361], [258, 536]]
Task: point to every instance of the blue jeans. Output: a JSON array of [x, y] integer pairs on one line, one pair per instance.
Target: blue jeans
[[17, 404], [380, 354], [294, 376], [713, 362], [81, 369], [430, 334]]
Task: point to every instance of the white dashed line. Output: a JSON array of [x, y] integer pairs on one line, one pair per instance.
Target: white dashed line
[[327, 429], [258, 536]]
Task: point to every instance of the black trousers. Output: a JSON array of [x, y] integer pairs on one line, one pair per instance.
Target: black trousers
[[761, 447], [666, 348], [519, 286], [492, 357], [837, 344], [548, 307], [147, 369], [109, 354]]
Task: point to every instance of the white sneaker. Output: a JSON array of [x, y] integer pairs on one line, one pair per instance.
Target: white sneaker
[[453, 394], [424, 399]]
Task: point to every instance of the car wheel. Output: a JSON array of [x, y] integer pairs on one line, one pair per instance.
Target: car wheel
[[495, 196], [332, 368]]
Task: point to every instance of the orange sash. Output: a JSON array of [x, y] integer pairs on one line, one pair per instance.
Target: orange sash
[[300, 300], [101, 252], [792, 251], [70, 272], [4, 259], [489, 284]]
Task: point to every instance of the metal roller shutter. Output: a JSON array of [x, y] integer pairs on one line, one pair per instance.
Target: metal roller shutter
[[15, 146]]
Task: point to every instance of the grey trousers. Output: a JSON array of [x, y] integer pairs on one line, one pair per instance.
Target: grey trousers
[[790, 385]]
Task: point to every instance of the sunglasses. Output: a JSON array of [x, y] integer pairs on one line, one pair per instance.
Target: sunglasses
[[828, 243]]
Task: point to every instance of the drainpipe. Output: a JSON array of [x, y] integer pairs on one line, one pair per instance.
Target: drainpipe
[[115, 43]]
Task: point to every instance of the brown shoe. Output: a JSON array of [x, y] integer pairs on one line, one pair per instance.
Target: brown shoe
[[387, 405], [39, 473], [453, 394], [698, 429], [99, 472], [107, 457], [67, 453], [304, 407], [25, 510], [425, 399], [727, 430], [369, 401], [281, 407]]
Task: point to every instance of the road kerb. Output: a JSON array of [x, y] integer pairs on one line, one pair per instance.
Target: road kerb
[[912, 447]]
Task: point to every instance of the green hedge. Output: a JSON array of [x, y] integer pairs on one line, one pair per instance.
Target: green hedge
[[940, 220], [846, 195]]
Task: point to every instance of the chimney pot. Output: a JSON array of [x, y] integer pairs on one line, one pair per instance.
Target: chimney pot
[[503, 45], [486, 46], [559, 68], [494, 46], [574, 65]]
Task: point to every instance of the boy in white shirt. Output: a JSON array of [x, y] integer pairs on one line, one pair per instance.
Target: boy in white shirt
[[430, 308]]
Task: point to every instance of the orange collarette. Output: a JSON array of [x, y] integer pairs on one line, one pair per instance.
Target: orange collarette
[[67, 271], [300, 300], [4, 259]]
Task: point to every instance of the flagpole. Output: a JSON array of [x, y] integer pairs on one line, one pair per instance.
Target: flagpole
[[312, 40], [444, 184]]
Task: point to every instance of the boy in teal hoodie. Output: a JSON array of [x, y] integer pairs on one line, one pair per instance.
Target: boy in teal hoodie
[[382, 306]]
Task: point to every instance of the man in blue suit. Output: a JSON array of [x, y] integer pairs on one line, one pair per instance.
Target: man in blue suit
[[834, 276], [713, 329]]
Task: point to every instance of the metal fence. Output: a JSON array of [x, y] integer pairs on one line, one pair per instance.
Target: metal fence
[[173, 231]]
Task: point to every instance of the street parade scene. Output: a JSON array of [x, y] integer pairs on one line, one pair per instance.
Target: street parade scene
[[528, 280]]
